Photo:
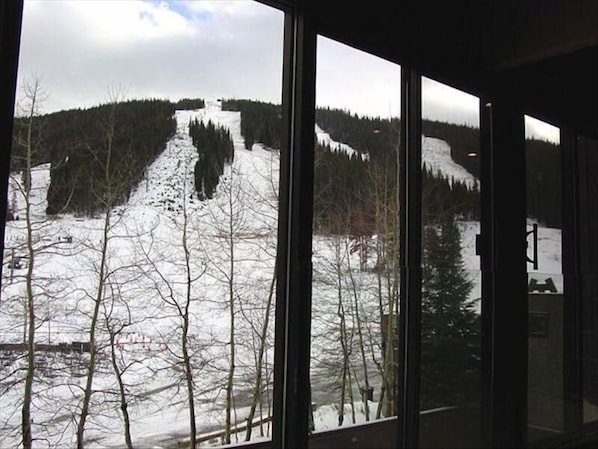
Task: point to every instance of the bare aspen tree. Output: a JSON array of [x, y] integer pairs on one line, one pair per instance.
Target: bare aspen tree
[[34, 94], [354, 292], [259, 364], [108, 199], [118, 318], [265, 206], [34, 296], [333, 314], [114, 330], [384, 181], [179, 295], [345, 337], [184, 313], [228, 220]]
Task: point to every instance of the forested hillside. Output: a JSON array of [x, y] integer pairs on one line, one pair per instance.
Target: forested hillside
[[117, 141], [97, 155], [544, 184], [346, 186], [379, 139], [215, 149], [376, 137], [178, 295], [260, 122]]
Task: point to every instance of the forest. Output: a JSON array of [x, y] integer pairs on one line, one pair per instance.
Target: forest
[[214, 149], [74, 142], [196, 285], [379, 139], [97, 155]]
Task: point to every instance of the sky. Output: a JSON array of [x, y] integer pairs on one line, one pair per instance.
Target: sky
[[83, 51]]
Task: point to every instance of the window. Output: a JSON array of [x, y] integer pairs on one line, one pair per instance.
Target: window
[[355, 287], [587, 149], [147, 233], [450, 374], [546, 306], [137, 302]]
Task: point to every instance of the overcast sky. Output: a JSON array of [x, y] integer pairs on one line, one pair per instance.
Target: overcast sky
[[82, 49]]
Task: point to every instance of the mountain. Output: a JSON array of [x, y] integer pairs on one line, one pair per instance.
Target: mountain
[[168, 250]]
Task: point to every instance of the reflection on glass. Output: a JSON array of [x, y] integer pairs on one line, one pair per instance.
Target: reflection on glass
[[138, 281], [546, 313], [355, 243], [590, 348], [451, 280], [546, 359], [588, 187]]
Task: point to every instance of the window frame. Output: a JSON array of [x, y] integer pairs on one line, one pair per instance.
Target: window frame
[[502, 241]]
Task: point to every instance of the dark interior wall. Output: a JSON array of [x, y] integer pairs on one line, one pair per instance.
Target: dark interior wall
[[588, 264], [540, 55]]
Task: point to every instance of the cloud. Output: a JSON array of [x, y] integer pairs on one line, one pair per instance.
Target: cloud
[[156, 49], [203, 48], [447, 104], [347, 78], [537, 129]]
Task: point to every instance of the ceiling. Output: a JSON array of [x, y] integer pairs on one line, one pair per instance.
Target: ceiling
[[540, 54]]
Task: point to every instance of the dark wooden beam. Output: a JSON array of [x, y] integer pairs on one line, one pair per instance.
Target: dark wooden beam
[[519, 33], [504, 275], [294, 271], [11, 13], [410, 258]]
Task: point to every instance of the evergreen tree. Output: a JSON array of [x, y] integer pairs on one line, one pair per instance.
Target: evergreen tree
[[450, 352], [260, 121], [75, 146], [215, 149]]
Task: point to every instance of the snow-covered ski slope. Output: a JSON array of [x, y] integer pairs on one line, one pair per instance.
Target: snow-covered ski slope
[[145, 248], [147, 290], [325, 139], [436, 156]]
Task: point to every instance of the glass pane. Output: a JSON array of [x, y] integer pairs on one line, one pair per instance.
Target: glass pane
[[451, 277], [546, 340], [138, 287], [588, 256], [590, 350], [355, 245]]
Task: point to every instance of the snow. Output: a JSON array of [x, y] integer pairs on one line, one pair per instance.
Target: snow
[[324, 138], [436, 156], [146, 248], [144, 231]]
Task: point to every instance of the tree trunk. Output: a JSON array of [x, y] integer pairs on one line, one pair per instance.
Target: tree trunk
[[121, 389], [30, 320], [262, 349]]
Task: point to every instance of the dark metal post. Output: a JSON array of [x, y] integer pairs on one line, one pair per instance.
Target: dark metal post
[[572, 332], [504, 276], [293, 302], [11, 13], [410, 259]]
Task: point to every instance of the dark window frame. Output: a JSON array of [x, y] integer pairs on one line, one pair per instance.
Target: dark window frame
[[504, 369]]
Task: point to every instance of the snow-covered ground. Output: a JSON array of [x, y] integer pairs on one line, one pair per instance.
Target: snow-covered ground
[[148, 287], [325, 139], [436, 156]]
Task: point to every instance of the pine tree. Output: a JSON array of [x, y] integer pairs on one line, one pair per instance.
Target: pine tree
[[450, 326]]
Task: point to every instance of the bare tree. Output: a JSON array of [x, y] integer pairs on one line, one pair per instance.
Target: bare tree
[[180, 295], [260, 357], [264, 207], [359, 326], [118, 318], [110, 187], [384, 182], [34, 95], [229, 225]]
